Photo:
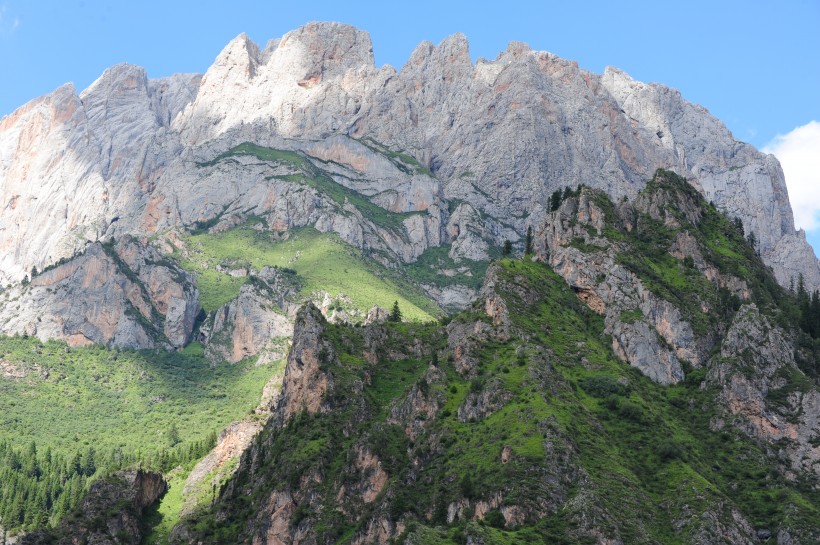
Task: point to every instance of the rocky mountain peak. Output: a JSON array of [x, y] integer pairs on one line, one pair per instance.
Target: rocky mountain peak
[[515, 50], [241, 54], [331, 48], [499, 136], [120, 78]]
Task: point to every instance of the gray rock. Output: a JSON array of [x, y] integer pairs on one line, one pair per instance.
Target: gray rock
[[489, 141], [131, 491], [112, 296], [756, 360], [657, 341], [250, 324]]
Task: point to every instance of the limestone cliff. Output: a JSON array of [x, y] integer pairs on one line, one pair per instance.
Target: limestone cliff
[[661, 270], [253, 323], [124, 295], [497, 136]]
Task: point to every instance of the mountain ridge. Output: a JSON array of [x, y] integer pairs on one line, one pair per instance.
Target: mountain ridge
[[515, 422], [126, 140]]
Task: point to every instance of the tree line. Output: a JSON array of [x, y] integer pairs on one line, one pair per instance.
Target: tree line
[[39, 486]]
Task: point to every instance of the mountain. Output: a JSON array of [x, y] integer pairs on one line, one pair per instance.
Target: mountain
[[470, 152], [611, 325], [578, 403]]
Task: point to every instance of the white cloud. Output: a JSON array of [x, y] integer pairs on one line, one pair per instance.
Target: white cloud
[[799, 154], [8, 24]]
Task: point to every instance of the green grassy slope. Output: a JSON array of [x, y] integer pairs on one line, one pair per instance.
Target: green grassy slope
[[311, 175], [93, 397], [322, 261], [79, 413]]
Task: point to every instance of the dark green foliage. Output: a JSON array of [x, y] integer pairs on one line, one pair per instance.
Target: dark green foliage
[[494, 518], [426, 270], [631, 411], [752, 239], [739, 225], [602, 386], [646, 252], [555, 200], [83, 412], [507, 249], [466, 486], [395, 313], [528, 242], [173, 435], [669, 450]]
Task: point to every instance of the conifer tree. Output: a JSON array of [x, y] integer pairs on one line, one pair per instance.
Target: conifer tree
[[528, 242], [395, 313]]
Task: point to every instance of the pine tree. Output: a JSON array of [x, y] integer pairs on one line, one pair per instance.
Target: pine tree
[[752, 240], [507, 249], [395, 313], [173, 435], [555, 200], [528, 242]]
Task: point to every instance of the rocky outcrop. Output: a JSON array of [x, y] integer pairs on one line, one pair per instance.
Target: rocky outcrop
[[368, 478], [764, 392], [111, 512], [253, 323], [171, 290], [125, 295], [219, 464], [416, 411], [305, 384], [489, 399], [647, 331]]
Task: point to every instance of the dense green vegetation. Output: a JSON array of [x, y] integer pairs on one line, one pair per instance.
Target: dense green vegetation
[[567, 407], [108, 409], [83, 397], [39, 488], [644, 248], [322, 261], [805, 310]]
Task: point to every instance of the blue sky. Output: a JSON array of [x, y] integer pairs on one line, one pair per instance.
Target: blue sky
[[753, 63]]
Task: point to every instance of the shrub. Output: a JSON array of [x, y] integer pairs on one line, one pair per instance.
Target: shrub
[[466, 486], [495, 519], [669, 450], [602, 386], [631, 411]]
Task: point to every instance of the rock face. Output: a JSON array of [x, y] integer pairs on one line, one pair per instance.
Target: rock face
[[131, 491], [305, 384], [377, 435], [220, 463], [487, 141], [254, 322], [647, 331], [125, 295], [761, 388]]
